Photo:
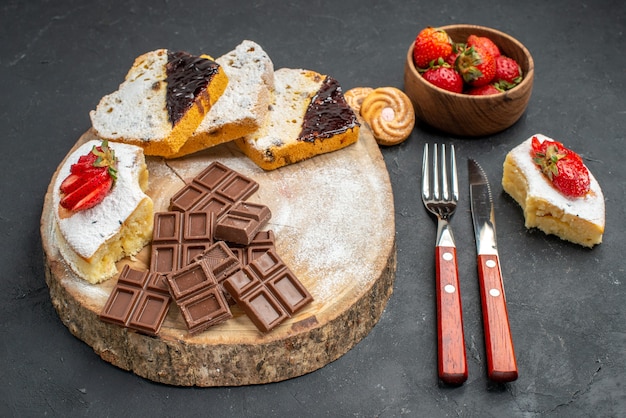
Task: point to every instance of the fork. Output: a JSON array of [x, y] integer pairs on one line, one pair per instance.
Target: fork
[[440, 198]]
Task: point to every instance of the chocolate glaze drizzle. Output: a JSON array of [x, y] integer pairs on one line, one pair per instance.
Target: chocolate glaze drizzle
[[187, 78], [328, 113]]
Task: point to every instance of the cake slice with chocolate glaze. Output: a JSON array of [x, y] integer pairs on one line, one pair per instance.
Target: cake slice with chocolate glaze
[[308, 116], [164, 97], [244, 105]]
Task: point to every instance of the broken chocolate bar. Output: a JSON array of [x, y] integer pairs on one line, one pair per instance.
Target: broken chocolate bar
[[178, 238], [216, 189], [261, 243], [140, 301], [242, 222], [221, 260], [198, 295], [267, 291]]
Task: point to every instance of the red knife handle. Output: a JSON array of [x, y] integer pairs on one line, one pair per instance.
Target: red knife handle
[[452, 362], [501, 363]]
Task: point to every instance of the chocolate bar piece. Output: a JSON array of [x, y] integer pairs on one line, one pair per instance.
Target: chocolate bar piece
[[140, 300], [179, 237], [267, 291], [216, 189], [221, 260], [262, 242], [198, 295], [242, 222]]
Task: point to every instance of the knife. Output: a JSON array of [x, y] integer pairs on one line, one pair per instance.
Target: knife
[[501, 363]]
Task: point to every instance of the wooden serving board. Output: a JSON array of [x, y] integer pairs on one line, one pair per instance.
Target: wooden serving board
[[333, 217]]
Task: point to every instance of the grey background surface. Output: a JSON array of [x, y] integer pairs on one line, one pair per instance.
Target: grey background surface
[[566, 303]]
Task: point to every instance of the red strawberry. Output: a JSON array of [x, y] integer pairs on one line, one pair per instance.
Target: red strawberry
[[90, 193], [430, 45], [508, 70], [484, 43], [71, 183], [84, 162], [476, 66], [485, 90], [563, 167], [456, 50], [90, 179], [445, 77]]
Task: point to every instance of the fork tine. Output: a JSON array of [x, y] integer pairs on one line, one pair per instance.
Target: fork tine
[[425, 174], [445, 193], [455, 179], [435, 173]]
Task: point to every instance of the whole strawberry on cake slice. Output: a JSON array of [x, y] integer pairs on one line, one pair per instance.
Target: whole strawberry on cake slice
[[557, 192], [102, 213], [562, 166]]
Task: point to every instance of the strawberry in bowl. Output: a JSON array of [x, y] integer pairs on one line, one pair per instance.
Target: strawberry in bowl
[[485, 111]]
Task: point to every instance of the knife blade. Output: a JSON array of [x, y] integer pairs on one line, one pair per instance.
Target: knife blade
[[501, 362]]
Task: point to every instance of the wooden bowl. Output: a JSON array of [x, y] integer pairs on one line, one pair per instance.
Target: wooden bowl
[[462, 114]]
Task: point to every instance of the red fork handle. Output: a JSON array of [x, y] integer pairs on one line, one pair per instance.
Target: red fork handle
[[501, 363], [452, 361]]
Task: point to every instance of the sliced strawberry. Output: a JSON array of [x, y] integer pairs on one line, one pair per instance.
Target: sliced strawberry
[[90, 193], [71, 183], [85, 162], [90, 178]]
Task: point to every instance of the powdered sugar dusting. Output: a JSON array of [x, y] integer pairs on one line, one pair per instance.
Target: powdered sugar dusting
[[96, 295], [328, 220], [328, 213]]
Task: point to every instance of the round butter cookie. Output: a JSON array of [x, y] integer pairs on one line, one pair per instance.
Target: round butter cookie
[[390, 114], [355, 97]]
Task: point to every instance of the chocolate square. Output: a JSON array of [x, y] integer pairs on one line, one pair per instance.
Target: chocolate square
[[263, 309], [205, 309], [190, 279]]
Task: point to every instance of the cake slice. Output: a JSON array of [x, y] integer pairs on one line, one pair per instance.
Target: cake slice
[[243, 107], [308, 116], [576, 219], [91, 241], [161, 102]]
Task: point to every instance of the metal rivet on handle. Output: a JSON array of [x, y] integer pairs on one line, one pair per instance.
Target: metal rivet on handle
[[447, 256], [449, 288], [494, 292], [490, 263]]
